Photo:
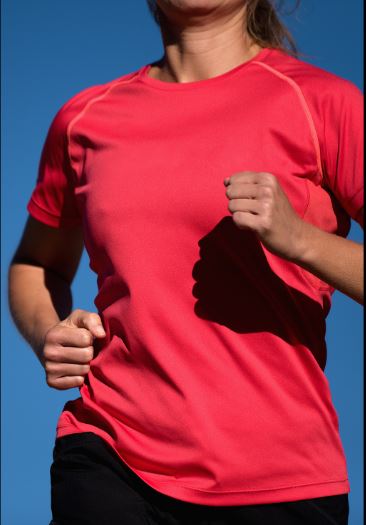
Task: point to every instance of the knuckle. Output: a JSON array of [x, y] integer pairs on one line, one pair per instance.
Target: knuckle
[[266, 191], [77, 381], [270, 179], [266, 206], [51, 334], [48, 366], [237, 216], [50, 352], [85, 368], [86, 337], [58, 333], [87, 354], [90, 353], [93, 316], [232, 205]]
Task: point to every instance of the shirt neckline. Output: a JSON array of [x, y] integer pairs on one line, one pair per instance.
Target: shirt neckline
[[162, 84]]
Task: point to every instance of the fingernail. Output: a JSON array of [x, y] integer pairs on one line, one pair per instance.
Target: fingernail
[[226, 181]]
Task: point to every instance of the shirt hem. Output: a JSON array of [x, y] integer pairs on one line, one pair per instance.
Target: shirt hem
[[173, 489]]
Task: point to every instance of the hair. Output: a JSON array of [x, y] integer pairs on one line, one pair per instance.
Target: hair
[[263, 23]]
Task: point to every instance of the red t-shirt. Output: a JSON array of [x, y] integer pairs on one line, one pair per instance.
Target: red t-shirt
[[210, 383]]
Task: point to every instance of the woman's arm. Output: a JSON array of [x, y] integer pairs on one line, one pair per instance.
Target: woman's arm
[[334, 259], [39, 279], [258, 203]]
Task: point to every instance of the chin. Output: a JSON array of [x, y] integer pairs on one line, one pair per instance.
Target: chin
[[198, 6]]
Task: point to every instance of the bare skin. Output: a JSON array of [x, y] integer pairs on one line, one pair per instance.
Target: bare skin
[[202, 39]]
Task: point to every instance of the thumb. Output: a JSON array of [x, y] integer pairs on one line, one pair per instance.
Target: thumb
[[89, 320]]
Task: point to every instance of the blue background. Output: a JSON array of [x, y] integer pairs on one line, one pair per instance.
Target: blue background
[[52, 50]]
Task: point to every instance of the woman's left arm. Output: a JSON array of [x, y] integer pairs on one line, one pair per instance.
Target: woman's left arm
[[258, 203], [334, 259]]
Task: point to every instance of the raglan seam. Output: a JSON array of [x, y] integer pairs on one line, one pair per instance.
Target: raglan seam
[[305, 106], [321, 285], [82, 112]]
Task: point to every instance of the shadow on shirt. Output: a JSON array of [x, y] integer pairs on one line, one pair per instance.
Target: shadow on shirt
[[236, 287]]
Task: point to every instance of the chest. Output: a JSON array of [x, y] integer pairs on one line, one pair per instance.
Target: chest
[[164, 158]]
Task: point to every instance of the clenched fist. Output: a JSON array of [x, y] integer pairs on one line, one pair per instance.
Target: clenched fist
[[68, 349], [258, 203]]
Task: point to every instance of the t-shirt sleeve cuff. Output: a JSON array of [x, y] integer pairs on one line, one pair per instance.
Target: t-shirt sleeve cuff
[[42, 215]]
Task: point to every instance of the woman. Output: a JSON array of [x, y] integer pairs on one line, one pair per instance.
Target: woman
[[213, 190]]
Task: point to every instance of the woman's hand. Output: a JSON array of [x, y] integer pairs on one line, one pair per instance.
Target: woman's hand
[[68, 349], [258, 203]]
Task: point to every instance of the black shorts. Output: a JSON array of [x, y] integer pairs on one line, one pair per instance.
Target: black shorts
[[90, 485]]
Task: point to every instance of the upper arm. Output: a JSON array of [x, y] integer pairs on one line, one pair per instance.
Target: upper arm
[[344, 147], [52, 236], [57, 249]]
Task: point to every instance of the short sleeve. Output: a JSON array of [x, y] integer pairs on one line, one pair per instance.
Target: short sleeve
[[344, 147], [53, 200]]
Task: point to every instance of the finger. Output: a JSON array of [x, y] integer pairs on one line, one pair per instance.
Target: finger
[[66, 369], [243, 191], [63, 383], [246, 220], [89, 320], [65, 354], [250, 177], [66, 335], [244, 205]]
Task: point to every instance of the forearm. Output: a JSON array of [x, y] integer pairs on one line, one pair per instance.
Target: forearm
[[38, 299], [334, 259]]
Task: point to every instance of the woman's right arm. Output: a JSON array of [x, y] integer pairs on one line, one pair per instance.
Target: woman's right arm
[[40, 300]]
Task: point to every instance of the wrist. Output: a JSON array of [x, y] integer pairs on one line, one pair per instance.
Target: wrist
[[305, 243]]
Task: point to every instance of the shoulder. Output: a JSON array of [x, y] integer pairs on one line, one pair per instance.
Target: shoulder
[[77, 103], [319, 86]]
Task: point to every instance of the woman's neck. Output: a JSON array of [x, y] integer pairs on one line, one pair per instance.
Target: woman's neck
[[203, 46]]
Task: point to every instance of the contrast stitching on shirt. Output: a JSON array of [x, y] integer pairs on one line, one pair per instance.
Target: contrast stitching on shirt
[[305, 107], [87, 106]]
